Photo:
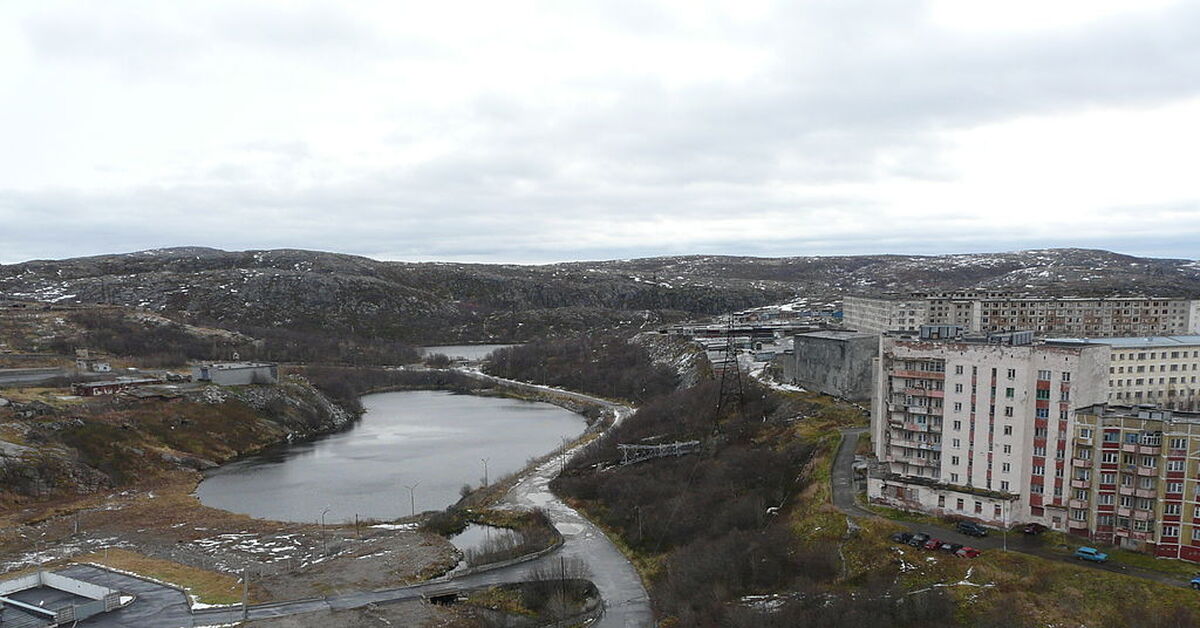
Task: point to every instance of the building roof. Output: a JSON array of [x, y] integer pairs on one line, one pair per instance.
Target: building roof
[[229, 366], [1151, 412], [1132, 342], [838, 334]]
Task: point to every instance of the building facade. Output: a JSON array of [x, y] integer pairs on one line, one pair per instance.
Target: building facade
[[982, 312], [979, 427], [1159, 370], [236, 373], [837, 363], [1135, 479]]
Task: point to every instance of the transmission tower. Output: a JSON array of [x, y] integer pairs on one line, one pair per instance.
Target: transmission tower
[[731, 375]]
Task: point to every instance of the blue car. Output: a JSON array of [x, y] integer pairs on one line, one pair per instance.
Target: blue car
[[1092, 554]]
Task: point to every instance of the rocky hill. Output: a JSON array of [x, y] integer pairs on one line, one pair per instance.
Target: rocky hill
[[447, 302]]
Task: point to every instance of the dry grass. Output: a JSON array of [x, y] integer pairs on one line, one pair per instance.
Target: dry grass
[[209, 587]]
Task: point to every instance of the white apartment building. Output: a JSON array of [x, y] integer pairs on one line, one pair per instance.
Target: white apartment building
[[979, 427], [1159, 370], [1088, 317]]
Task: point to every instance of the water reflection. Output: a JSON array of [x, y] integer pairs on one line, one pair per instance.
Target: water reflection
[[435, 438]]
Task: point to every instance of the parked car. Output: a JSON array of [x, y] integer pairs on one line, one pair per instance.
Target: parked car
[[1092, 554], [933, 544], [971, 528], [951, 548], [901, 537], [967, 552], [919, 539], [1195, 583], [1033, 528]]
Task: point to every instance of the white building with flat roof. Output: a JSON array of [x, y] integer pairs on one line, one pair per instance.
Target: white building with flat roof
[[979, 427], [1159, 370]]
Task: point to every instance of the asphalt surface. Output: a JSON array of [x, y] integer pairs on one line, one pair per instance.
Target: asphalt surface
[[845, 499], [156, 604]]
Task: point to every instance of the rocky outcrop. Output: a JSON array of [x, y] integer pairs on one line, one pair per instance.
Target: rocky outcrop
[[680, 354]]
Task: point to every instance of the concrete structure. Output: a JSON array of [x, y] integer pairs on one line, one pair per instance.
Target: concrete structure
[[51, 599], [1135, 479], [1161, 370], [236, 373], [835, 363], [979, 427], [978, 311], [111, 387]]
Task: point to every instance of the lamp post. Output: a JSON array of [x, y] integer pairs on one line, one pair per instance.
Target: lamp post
[[412, 502], [324, 539]]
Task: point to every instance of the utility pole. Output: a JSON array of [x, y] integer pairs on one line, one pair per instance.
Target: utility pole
[[485, 470]]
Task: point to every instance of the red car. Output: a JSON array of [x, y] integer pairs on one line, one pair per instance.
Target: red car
[[933, 544], [967, 552]]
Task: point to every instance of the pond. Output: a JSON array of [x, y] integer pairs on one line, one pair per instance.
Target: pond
[[463, 352], [432, 441]]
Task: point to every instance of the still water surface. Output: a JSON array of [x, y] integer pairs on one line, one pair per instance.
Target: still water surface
[[464, 352], [437, 439]]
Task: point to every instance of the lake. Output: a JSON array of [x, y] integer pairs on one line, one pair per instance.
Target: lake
[[463, 352], [435, 441]]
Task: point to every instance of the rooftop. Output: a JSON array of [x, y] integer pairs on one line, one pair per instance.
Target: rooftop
[[838, 334], [1134, 341], [1141, 412]]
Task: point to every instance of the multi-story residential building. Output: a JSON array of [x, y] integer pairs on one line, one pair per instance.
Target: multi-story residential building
[[1135, 479], [1160, 370], [979, 426], [979, 312]]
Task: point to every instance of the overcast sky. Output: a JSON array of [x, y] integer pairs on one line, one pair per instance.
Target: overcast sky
[[541, 131]]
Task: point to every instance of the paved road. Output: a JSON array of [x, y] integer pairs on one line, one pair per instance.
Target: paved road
[[845, 499], [156, 605], [14, 377]]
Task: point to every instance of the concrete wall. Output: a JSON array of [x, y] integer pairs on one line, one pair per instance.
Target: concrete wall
[[839, 366], [237, 376]]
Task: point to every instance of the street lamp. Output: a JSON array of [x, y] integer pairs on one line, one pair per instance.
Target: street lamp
[[324, 539], [412, 503]]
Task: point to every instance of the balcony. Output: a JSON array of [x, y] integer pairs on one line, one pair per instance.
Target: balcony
[[1143, 515], [1077, 503], [1081, 483], [1083, 440], [1129, 447], [1148, 471], [1146, 492], [1124, 512], [1081, 463], [1149, 450], [1126, 490]]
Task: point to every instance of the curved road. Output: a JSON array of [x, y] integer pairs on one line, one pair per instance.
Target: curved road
[[626, 602], [845, 499]]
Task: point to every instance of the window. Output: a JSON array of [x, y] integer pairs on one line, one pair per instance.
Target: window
[[1178, 443], [1006, 467], [954, 480], [1043, 374], [1174, 465], [1105, 499], [1008, 410], [1065, 396], [1170, 530], [958, 388], [956, 443], [1078, 514], [958, 406], [1008, 449], [979, 508], [941, 501], [959, 504], [1109, 457], [1039, 470], [1110, 437], [1004, 485], [958, 369], [1085, 432], [1042, 413], [954, 460], [958, 425], [1008, 430], [1174, 487], [1171, 508], [1012, 373], [1126, 501], [1009, 393], [1108, 477], [1066, 376]]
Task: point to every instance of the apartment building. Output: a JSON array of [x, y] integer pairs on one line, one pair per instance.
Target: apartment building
[[1135, 479], [1000, 311], [1160, 370], [979, 426]]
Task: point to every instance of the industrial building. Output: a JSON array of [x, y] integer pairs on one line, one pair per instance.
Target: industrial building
[[978, 426], [980, 312], [833, 362], [236, 373]]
